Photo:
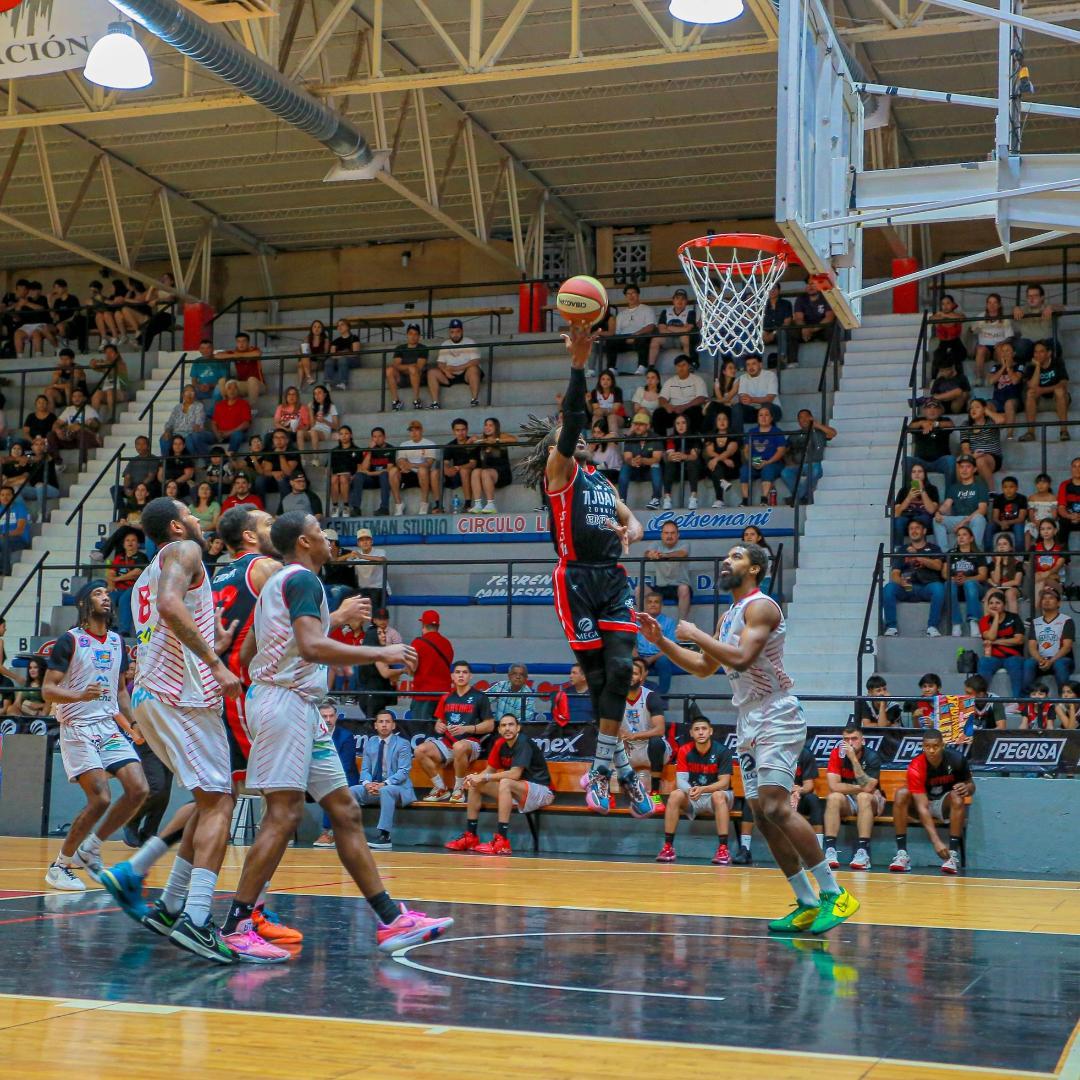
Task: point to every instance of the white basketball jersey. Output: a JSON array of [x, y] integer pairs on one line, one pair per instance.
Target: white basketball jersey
[[766, 677], [164, 667], [277, 660], [637, 715], [89, 660]]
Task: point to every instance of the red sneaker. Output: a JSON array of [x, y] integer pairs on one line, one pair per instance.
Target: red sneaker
[[467, 841], [497, 845], [722, 856], [270, 928], [667, 854]]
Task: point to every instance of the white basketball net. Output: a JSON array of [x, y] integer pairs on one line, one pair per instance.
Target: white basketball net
[[732, 294]]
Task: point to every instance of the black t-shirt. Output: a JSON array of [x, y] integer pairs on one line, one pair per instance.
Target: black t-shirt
[[525, 755], [1072, 497], [455, 453], [36, 425], [13, 468], [1010, 509], [775, 317], [867, 711], [409, 354], [66, 307], [346, 460], [911, 571], [368, 675], [382, 457], [943, 384], [806, 767], [937, 780], [1049, 376], [870, 761], [345, 344], [704, 768], [472, 707], [933, 444], [279, 458], [967, 563]]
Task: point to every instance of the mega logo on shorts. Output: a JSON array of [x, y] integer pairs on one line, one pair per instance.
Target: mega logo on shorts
[[1020, 751], [586, 629]]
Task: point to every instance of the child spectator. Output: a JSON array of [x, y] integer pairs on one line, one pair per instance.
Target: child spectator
[[1037, 714], [1008, 512], [922, 709], [606, 402], [918, 500], [948, 322], [1041, 505], [1003, 643], [881, 712], [1007, 379], [1049, 559], [968, 573], [1006, 573], [989, 711]]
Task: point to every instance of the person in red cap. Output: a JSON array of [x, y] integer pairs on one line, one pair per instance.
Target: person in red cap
[[432, 678]]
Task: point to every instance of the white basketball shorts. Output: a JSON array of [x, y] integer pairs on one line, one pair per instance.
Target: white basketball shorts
[[94, 744]]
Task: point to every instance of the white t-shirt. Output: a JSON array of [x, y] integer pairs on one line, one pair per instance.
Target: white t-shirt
[[369, 575], [416, 452], [993, 331], [630, 319], [681, 391], [760, 385], [459, 354], [85, 415]]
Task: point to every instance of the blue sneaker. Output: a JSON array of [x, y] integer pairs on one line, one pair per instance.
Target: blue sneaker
[[597, 794], [126, 888], [637, 795]]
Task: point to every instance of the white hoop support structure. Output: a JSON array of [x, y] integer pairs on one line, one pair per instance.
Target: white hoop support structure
[[732, 274]]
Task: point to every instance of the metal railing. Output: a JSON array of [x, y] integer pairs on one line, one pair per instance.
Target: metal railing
[[938, 281], [165, 385], [79, 510]]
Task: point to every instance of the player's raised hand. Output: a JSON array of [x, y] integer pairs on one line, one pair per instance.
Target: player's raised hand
[[401, 654], [622, 532], [354, 610], [579, 340], [649, 627]]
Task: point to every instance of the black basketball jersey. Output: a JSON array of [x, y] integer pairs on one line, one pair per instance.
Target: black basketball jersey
[[235, 598], [580, 514]]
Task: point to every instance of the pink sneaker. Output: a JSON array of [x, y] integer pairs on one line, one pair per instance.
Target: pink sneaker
[[409, 928], [250, 948]]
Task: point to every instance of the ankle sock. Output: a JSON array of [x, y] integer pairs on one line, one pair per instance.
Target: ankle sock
[[825, 878], [830, 841], [176, 888], [472, 825], [200, 895], [605, 750], [147, 855], [237, 914], [803, 888], [901, 842], [504, 829], [386, 911], [744, 840]]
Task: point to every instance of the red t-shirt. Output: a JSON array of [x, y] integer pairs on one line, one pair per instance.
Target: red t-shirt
[[251, 499], [229, 415], [1048, 558], [249, 369], [436, 654], [1009, 626], [937, 780], [947, 331]]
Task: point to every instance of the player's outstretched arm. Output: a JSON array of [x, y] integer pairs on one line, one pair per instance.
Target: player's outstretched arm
[[575, 410], [696, 663], [315, 647], [760, 621]]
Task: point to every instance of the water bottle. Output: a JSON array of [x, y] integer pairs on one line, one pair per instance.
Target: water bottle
[[772, 497], [455, 504]]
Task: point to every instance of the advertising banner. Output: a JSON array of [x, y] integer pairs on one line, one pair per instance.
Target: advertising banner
[[39, 37]]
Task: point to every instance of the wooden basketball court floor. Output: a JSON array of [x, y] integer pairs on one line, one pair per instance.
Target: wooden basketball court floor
[[555, 968]]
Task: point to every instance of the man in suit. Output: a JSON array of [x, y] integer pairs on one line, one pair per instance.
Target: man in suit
[[384, 777], [345, 745]]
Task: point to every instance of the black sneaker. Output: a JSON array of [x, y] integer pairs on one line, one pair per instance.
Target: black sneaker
[[159, 920], [383, 511], [131, 837], [397, 406], [434, 405], [204, 941], [417, 404], [475, 402], [742, 857], [382, 842]]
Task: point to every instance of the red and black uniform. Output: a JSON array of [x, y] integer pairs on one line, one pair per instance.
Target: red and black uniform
[[936, 781], [592, 592], [841, 766], [235, 598], [473, 707], [524, 754], [704, 768]]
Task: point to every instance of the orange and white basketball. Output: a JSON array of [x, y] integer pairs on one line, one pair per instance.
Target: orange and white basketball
[[581, 299]]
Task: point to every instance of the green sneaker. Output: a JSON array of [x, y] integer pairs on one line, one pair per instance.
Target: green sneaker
[[835, 908], [800, 918], [159, 919]]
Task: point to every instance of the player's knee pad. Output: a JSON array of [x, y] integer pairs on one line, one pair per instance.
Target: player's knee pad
[[591, 662], [618, 668]]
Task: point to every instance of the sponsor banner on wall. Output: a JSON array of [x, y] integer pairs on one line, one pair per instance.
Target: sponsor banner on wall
[[1025, 751], [492, 587], [39, 37]]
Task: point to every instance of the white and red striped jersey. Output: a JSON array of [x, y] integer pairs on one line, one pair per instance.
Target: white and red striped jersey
[[292, 592], [766, 676], [164, 667], [84, 658]]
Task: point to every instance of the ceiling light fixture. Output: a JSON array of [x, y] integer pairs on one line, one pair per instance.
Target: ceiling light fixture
[[117, 61], [705, 11]]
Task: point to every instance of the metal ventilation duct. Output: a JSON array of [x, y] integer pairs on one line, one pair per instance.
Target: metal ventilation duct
[[215, 50]]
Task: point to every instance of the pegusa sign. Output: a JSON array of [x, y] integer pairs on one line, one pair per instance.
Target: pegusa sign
[[39, 37]]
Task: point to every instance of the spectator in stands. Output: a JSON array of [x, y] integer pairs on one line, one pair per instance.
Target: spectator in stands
[[416, 466], [432, 677], [525, 708], [930, 437], [42, 481], [14, 526], [642, 456], [635, 322], [605, 454], [951, 388], [965, 503], [763, 455], [806, 451], [312, 349], [917, 500], [682, 394], [459, 460], [231, 419], [948, 324], [990, 331], [374, 471], [104, 318], [301, 498], [1068, 507], [463, 717], [1033, 321], [116, 382], [646, 397], [682, 463], [66, 376], [343, 356], [1049, 559], [208, 373], [345, 461], [938, 783], [722, 458], [989, 713], [881, 711], [76, 427], [751, 534], [16, 468], [492, 466], [247, 363], [219, 472], [572, 702], [1007, 379], [676, 328], [278, 466], [177, 465], [1066, 715], [1008, 512], [702, 786], [854, 776], [131, 514], [372, 579], [671, 572], [968, 572], [205, 507], [28, 701], [982, 440], [292, 415], [725, 394], [1042, 504], [188, 420], [757, 387], [656, 663], [121, 576], [457, 361], [606, 402], [1037, 714], [68, 315], [339, 580], [1046, 377], [407, 365], [775, 330], [1050, 638], [1006, 571], [1002, 643], [916, 578], [923, 708], [242, 495], [324, 420], [384, 777], [812, 314], [38, 325], [41, 421]]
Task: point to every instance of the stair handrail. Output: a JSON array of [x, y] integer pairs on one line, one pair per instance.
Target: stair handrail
[[866, 644], [113, 462], [162, 386], [34, 571], [919, 355]]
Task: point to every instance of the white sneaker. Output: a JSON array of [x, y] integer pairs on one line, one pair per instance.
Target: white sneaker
[[490, 508], [667, 502], [891, 631], [901, 863], [89, 861], [957, 631], [860, 860], [399, 509], [62, 878], [640, 369], [719, 503], [973, 628], [933, 631], [952, 864], [691, 503], [423, 508], [832, 859]]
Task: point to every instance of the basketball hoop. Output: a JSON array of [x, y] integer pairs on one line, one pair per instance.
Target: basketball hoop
[[732, 274]]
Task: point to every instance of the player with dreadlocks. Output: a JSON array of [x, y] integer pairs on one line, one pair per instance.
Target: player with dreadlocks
[[84, 680], [591, 528]]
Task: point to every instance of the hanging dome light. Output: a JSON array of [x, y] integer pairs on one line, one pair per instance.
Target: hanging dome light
[[118, 61], [705, 11]]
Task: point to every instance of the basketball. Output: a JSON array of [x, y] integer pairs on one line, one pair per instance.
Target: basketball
[[581, 299]]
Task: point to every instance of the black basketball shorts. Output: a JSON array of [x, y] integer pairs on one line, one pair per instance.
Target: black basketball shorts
[[592, 599]]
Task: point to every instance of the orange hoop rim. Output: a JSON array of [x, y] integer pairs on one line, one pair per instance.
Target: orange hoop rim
[[776, 246]]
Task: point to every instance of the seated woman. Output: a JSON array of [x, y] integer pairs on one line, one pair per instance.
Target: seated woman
[[918, 500], [28, 701], [324, 420], [1049, 559], [725, 389], [682, 462], [646, 398], [1006, 573], [603, 453], [314, 346], [753, 535], [292, 415], [179, 465], [205, 508], [721, 454], [606, 402], [1003, 636], [982, 440], [968, 573], [493, 467], [1007, 379]]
